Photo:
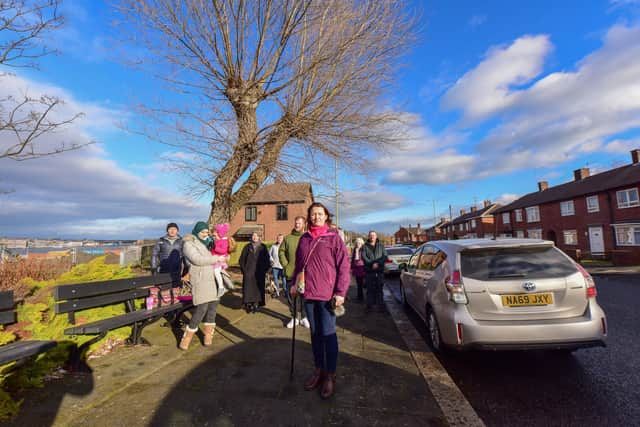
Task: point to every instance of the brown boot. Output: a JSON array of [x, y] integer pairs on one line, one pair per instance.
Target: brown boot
[[208, 330], [328, 386], [314, 380], [186, 338]]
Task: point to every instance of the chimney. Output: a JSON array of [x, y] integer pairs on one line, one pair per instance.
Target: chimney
[[462, 211], [442, 219], [635, 156], [543, 185], [581, 173], [487, 203], [473, 209]]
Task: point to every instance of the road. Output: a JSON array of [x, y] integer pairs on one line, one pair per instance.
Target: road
[[592, 387]]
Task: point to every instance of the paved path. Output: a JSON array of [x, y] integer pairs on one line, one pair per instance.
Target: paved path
[[243, 379]]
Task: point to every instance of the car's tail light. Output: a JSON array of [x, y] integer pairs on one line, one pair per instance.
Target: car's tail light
[[592, 292], [388, 261], [455, 288], [604, 326], [459, 330]]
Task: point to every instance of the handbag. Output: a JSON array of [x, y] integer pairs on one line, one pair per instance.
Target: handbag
[[226, 280], [184, 292]]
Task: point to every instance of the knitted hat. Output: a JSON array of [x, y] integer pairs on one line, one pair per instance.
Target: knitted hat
[[222, 229], [200, 225], [172, 224]]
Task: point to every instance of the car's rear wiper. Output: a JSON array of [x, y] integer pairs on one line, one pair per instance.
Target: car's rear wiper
[[506, 275]]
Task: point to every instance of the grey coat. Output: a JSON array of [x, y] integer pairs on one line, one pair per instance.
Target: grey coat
[[201, 276]]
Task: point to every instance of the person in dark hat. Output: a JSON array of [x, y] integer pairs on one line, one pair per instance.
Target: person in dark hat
[[166, 256]]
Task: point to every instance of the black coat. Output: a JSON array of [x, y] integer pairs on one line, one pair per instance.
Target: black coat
[[254, 264]]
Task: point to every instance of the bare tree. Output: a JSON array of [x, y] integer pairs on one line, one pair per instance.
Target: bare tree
[[273, 87], [24, 27]]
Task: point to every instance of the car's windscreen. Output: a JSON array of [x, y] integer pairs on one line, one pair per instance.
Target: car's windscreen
[[516, 263], [399, 251]]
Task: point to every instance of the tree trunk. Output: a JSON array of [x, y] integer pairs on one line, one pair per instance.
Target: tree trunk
[[244, 153]]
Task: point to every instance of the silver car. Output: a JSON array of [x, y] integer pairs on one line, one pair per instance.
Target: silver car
[[397, 255], [505, 294]]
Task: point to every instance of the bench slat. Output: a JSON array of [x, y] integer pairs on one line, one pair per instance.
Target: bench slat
[[81, 290], [99, 301], [7, 317], [95, 328], [6, 300], [21, 349]]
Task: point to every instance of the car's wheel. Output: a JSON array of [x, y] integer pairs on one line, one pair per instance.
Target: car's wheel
[[435, 339]]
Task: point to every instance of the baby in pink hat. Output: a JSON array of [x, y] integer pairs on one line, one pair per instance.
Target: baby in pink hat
[[223, 248]]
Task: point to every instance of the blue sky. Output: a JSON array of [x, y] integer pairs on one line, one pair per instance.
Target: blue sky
[[499, 95]]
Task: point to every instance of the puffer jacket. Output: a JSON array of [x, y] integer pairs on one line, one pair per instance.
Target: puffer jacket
[[200, 260], [166, 256]]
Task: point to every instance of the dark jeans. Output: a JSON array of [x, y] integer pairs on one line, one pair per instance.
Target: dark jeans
[[374, 282], [206, 311], [324, 341]]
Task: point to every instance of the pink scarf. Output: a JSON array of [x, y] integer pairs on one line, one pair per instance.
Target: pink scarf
[[319, 230]]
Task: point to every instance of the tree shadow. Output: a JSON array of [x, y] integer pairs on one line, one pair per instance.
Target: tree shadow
[[248, 384]]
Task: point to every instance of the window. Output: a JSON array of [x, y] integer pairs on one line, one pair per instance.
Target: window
[[472, 236], [535, 234], [566, 208], [628, 198], [466, 226], [413, 261], [473, 223], [505, 235], [570, 237], [628, 235], [533, 262], [533, 214], [250, 213], [592, 204], [282, 213], [518, 215], [428, 253], [505, 218], [460, 227], [520, 234]]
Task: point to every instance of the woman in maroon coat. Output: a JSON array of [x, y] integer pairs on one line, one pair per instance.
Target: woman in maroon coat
[[323, 260]]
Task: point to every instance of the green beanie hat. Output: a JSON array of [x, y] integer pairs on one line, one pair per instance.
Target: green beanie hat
[[200, 225]]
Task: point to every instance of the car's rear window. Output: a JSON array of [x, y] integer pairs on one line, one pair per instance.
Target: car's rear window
[[399, 251], [516, 263]]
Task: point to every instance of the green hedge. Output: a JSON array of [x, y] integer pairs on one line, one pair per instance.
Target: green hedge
[[235, 255]]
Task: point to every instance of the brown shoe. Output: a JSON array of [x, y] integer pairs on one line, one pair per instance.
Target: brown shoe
[[329, 386], [208, 330], [314, 380], [186, 338]]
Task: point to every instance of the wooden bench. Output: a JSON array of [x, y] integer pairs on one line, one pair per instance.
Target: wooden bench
[[82, 296], [20, 349]]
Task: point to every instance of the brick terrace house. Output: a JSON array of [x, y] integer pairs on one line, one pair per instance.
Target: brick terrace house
[[272, 210], [477, 223], [597, 215], [410, 235], [436, 231]]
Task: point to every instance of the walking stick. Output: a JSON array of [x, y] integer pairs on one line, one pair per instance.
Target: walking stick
[[293, 338]]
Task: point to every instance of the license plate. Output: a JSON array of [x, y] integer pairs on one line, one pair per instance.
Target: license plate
[[522, 300]]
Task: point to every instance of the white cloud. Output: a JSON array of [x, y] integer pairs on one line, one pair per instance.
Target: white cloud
[[538, 121], [487, 89], [359, 203], [83, 192], [506, 198]]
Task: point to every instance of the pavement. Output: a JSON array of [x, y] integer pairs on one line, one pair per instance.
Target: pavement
[[243, 379]]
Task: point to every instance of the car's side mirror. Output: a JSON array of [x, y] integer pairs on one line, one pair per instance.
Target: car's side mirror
[[403, 266]]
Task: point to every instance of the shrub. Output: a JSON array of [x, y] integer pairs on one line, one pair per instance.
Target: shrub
[[14, 272]]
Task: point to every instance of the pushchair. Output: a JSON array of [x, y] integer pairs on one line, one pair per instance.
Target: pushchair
[[271, 284]]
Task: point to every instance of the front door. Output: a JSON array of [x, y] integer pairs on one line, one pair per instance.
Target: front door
[[596, 240]]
